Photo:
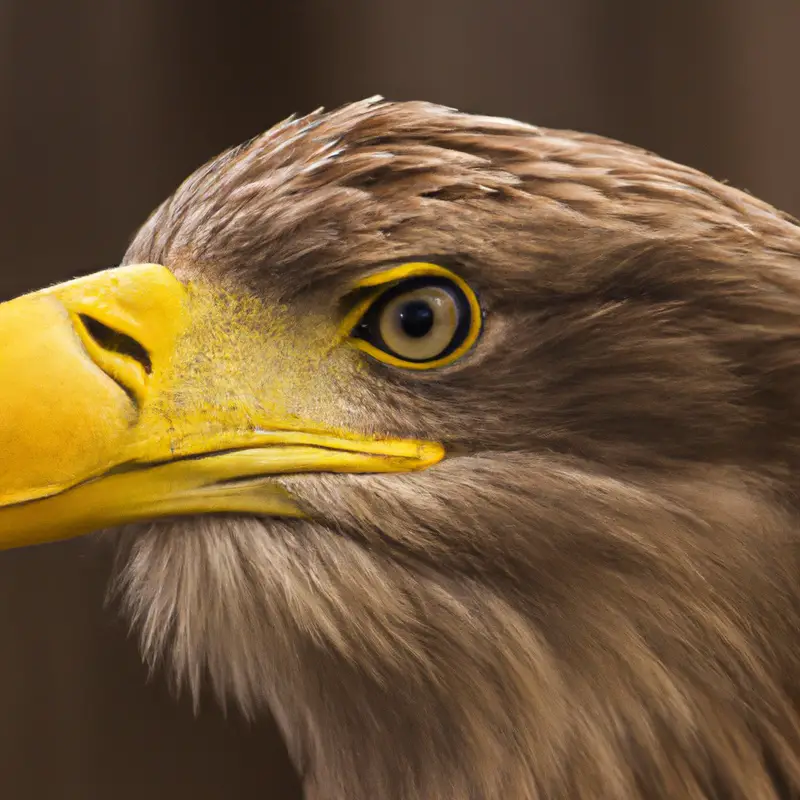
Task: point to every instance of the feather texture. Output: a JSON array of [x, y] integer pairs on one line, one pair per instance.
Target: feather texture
[[595, 595]]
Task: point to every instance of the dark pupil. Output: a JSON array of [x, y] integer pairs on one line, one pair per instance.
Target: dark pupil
[[416, 318]]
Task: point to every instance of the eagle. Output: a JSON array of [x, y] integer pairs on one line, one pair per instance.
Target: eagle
[[465, 448]]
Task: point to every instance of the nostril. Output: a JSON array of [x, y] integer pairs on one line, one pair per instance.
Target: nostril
[[116, 342]]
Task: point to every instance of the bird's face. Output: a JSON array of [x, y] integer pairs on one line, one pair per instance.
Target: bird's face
[[403, 407], [173, 397]]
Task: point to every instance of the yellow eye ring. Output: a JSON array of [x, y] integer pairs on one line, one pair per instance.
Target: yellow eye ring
[[421, 316]]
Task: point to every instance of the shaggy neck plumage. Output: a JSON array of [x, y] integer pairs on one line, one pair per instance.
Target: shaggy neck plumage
[[643, 655], [365, 694]]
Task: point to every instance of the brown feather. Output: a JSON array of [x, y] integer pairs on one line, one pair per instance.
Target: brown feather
[[596, 595]]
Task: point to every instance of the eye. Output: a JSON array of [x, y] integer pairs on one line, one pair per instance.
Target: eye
[[420, 322]]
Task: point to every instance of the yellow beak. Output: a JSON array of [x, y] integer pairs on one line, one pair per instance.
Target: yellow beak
[[83, 364]]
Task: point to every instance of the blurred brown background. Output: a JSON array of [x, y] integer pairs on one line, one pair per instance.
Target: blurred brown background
[[106, 106]]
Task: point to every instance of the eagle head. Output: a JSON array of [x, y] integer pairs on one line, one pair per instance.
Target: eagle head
[[466, 448]]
